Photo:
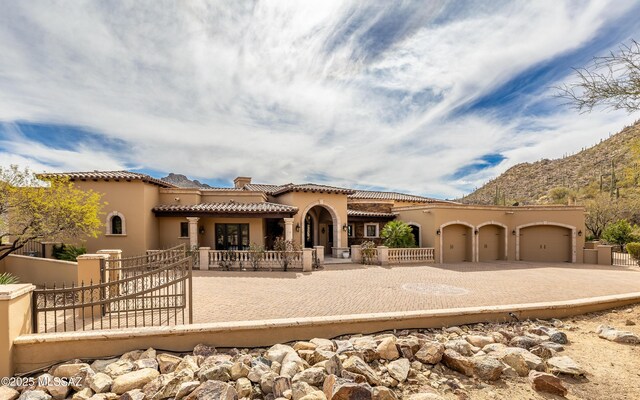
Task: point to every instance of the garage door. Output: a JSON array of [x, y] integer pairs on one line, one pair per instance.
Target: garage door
[[456, 243], [545, 243], [491, 243]]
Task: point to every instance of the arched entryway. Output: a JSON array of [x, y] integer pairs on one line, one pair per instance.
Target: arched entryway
[[492, 241], [545, 242], [456, 242], [320, 228]]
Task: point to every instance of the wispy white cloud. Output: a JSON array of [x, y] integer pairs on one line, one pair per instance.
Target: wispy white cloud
[[357, 92]]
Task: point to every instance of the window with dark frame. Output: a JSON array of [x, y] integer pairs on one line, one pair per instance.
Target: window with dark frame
[[232, 236], [350, 230], [371, 230], [116, 225], [184, 229]]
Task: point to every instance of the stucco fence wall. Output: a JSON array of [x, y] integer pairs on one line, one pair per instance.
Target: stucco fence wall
[[40, 271]]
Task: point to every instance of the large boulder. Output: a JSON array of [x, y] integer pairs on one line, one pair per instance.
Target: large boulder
[[133, 380], [543, 382]]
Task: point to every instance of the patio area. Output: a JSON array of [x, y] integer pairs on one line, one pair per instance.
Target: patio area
[[358, 289]]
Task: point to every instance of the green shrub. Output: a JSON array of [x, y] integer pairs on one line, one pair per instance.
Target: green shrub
[[398, 234], [68, 252], [633, 249], [256, 255], [8, 279], [620, 233]]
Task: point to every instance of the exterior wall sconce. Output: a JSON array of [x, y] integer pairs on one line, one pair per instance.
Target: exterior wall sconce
[[579, 233], [476, 231], [201, 231], [323, 230], [297, 227], [438, 232], [513, 232], [344, 227]]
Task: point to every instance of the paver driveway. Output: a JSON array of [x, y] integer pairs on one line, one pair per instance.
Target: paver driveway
[[357, 289]]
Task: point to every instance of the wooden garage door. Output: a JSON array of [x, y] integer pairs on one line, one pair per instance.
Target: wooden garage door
[[491, 243], [545, 243], [456, 245]]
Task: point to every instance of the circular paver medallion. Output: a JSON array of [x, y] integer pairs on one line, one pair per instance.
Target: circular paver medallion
[[434, 289]]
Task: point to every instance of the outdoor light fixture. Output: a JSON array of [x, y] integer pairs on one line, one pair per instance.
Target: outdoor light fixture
[[297, 227], [513, 232], [475, 231], [438, 232], [344, 227], [579, 233], [323, 230], [202, 230]]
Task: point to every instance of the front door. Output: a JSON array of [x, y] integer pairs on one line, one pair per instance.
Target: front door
[[308, 232]]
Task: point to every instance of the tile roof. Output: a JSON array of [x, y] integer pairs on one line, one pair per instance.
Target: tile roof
[[110, 175], [374, 195], [370, 214], [262, 187], [227, 207], [311, 187]]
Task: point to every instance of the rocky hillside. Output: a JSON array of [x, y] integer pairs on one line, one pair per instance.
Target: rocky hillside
[[584, 172], [183, 182]]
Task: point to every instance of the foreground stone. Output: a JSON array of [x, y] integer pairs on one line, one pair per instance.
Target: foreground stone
[[609, 333], [133, 380], [564, 365], [543, 382], [210, 390], [7, 393]]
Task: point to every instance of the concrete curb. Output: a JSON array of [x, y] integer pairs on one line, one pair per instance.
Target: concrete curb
[[38, 350]]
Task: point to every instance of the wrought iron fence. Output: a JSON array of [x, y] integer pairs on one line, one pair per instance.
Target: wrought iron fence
[[623, 259], [132, 293]]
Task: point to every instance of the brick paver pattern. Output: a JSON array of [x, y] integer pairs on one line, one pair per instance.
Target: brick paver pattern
[[356, 289]]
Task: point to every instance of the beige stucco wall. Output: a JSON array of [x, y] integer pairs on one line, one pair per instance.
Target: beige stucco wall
[[41, 271], [169, 230], [434, 217], [132, 199], [15, 320], [336, 204]]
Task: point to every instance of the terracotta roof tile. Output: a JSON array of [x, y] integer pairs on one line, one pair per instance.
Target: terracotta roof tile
[[110, 175], [228, 207], [262, 187], [374, 195], [372, 214], [311, 187]]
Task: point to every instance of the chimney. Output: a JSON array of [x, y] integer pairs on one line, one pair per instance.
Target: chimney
[[241, 181]]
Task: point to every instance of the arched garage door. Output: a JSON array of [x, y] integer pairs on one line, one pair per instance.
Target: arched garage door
[[546, 243], [491, 239], [457, 243]]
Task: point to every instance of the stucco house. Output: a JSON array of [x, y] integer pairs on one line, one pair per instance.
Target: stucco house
[[145, 213]]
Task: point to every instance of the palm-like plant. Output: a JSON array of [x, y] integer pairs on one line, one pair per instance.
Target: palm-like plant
[[398, 234], [8, 279]]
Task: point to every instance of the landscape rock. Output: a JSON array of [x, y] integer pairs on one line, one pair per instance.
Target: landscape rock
[[517, 362], [313, 376], [118, 368], [383, 393], [487, 368], [83, 394], [100, 382], [135, 394], [543, 382], [479, 340], [524, 342], [387, 349], [564, 365], [315, 395], [133, 380], [68, 370], [614, 335], [425, 396], [267, 381], [167, 362], [7, 393], [132, 356], [213, 390], [204, 350], [334, 365], [281, 385], [100, 365], [430, 353], [34, 395], [300, 389], [243, 387], [460, 346], [291, 364], [219, 372], [345, 390], [356, 365], [186, 388], [399, 369], [457, 362]]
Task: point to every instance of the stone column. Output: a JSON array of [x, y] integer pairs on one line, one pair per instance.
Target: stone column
[[356, 254], [288, 229], [15, 320], [604, 255], [383, 255], [204, 258], [320, 254], [193, 232], [307, 260], [116, 272]]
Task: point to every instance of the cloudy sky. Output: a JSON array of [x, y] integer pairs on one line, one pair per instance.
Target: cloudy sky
[[430, 97]]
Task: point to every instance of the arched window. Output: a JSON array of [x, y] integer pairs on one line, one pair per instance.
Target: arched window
[[116, 224]]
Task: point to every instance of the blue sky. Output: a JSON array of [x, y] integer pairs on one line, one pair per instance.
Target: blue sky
[[428, 97]]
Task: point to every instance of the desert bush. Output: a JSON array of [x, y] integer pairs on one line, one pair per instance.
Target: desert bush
[[633, 249], [68, 252], [368, 252], [398, 234]]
